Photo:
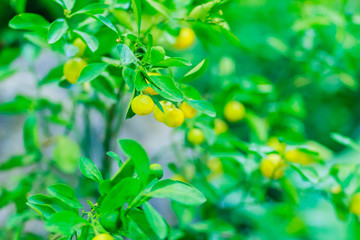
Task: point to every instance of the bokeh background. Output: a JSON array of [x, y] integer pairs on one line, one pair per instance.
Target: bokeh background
[[298, 59]]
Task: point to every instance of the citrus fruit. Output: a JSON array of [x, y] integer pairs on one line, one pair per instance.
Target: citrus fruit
[[234, 111], [354, 205], [79, 43], [214, 165], [150, 90], [272, 166], [174, 117], [220, 126], [156, 170], [73, 68], [336, 189], [158, 114], [185, 39], [103, 236], [297, 156], [275, 144], [111, 221], [189, 111], [195, 136], [142, 105]]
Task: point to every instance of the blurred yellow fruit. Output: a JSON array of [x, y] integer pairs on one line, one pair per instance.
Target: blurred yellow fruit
[[336, 189], [150, 90], [189, 111], [275, 144], [195, 136], [272, 166], [73, 68], [81, 45], [142, 105], [354, 205], [185, 39], [215, 165], [178, 177], [103, 236], [234, 111], [220, 126], [158, 114], [174, 117], [189, 171], [297, 156]]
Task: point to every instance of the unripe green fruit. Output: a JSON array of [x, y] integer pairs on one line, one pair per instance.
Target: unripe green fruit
[[156, 170], [111, 221]]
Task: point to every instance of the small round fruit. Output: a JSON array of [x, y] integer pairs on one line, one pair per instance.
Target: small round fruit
[[214, 165], [195, 136], [272, 166], [174, 117], [156, 170], [79, 43], [189, 111], [73, 68], [234, 111], [336, 189], [220, 126], [185, 39], [103, 236], [150, 90], [354, 205], [111, 221], [275, 144], [158, 114], [142, 105], [297, 156]]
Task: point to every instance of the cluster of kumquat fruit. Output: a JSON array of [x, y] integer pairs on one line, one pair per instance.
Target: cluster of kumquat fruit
[[75, 65]]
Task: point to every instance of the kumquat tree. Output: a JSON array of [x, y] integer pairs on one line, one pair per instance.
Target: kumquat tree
[[179, 119]]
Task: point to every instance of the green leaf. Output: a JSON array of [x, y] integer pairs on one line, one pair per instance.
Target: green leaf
[[136, 4], [91, 71], [121, 193], [65, 223], [202, 106], [126, 170], [28, 21], [173, 62], [348, 142], [93, 8], [142, 228], [166, 87], [160, 8], [90, 40], [55, 203], [54, 75], [156, 221], [196, 72], [69, 4], [18, 161], [57, 29], [135, 151], [125, 54], [103, 85], [140, 83], [65, 193], [20, 104], [45, 211], [259, 126], [90, 170], [231, 37], [177, 191], [307, 173], [129, 111], [66, 154], [116, 157], [106, 22], [31, 135]]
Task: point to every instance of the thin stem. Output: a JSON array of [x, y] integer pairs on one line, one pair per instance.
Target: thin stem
[[109, 133]]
